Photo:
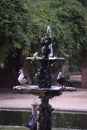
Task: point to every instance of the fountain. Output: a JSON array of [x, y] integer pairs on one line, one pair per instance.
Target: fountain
[[44, 89]]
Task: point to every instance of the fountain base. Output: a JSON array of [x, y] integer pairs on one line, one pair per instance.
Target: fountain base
[[44, 120]]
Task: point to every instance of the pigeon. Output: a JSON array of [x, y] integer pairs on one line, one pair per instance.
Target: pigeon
[[33, 123], [22, 78], [63, 81]]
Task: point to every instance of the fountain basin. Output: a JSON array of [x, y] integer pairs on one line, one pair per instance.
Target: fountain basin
[[50, 58], [34, 89]]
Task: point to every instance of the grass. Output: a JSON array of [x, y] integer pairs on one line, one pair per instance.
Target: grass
[[13, 128], [24, 128]]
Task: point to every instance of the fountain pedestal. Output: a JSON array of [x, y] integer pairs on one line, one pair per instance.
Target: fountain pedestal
[[44, 89], [44, 120], [44, 78]]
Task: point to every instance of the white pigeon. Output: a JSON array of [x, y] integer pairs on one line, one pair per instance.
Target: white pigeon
[[22, 78]]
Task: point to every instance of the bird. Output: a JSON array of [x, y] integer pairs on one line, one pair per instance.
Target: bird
[[34, 56], [22, 78], [33, 123], [63, 81]]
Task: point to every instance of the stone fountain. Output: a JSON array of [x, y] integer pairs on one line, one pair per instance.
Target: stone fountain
[[44, 89]]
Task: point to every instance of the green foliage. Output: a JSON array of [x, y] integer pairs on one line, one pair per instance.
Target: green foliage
[[24, 23], [14, 25], [68, 21]]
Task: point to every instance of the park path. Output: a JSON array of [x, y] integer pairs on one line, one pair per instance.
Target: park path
[[68, 101]]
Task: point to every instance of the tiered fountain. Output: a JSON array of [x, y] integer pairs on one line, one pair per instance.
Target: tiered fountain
[[44, 89]]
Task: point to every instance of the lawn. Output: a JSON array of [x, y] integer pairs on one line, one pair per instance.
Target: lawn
[[13, 128], [24, 128]]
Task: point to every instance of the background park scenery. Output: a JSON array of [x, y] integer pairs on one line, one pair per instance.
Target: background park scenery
[[22, 25], [24, 22]]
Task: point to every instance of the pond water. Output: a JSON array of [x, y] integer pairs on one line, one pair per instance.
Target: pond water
[[70, 120], [67, 121]]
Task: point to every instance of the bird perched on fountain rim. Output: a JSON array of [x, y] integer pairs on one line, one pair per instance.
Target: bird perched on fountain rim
[[63, 81], [34, 56], [22, 78]]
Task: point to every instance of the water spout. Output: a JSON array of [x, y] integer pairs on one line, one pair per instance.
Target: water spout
[[49, 31]]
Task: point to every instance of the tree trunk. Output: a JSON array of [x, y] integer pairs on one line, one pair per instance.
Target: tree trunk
[[84, 76], [84, 2], [26, 71]]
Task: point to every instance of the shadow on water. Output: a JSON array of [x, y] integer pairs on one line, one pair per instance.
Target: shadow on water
[[70, 121]]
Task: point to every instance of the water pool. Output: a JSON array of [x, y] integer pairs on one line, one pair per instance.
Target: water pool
[[60, 120]]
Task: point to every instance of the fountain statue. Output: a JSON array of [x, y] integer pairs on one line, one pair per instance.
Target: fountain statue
[[44, 89]]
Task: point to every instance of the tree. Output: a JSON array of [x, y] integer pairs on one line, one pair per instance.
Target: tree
[[15, 20], [84, 2], [67, 18]]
